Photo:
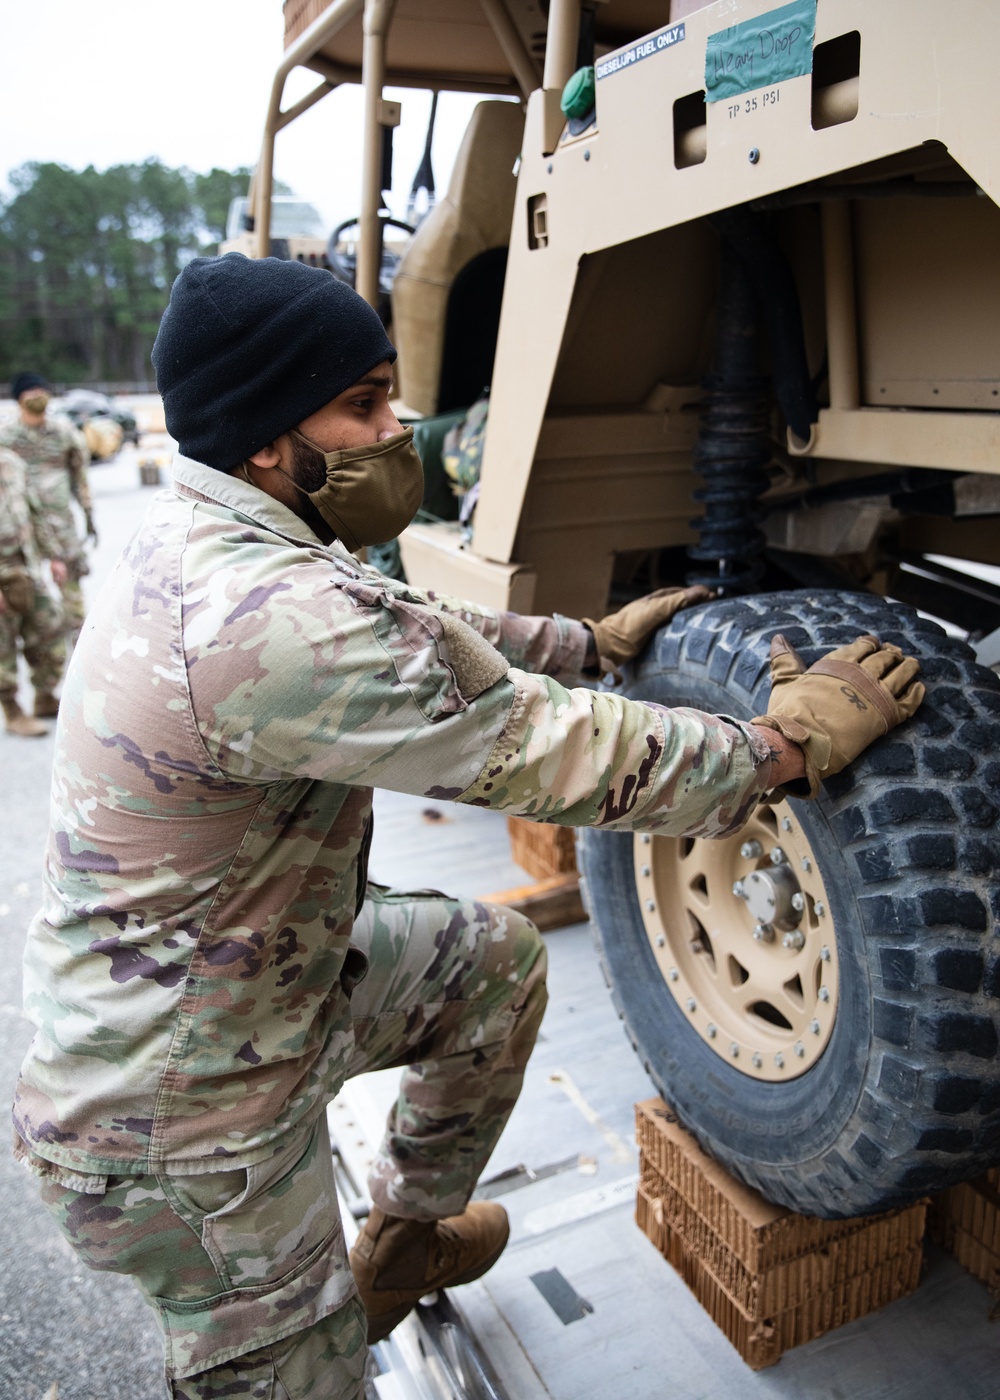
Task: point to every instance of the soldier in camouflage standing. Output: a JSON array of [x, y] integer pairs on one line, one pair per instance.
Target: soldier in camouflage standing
[[211, 962], [55, 455], [27, 614]]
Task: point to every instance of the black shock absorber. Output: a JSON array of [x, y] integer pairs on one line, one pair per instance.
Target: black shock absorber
[[733, 447]]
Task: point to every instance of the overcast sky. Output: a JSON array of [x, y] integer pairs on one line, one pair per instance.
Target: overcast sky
[[99, 82]]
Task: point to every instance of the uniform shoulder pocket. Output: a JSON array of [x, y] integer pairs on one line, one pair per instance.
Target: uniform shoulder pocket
[[441, 660]]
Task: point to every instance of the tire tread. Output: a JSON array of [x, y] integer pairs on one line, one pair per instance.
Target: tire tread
[[915, 817]]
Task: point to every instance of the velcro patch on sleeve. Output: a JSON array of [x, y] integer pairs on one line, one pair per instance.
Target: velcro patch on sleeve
[[477, 665]]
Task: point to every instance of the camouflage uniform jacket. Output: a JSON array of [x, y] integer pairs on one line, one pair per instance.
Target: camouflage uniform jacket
[[238, 692], [55, 457], [17, 536]]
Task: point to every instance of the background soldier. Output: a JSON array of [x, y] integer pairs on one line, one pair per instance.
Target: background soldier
[[55, 455], [27, 613], [210, 962]]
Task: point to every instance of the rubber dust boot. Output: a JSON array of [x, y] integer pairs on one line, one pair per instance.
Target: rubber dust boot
[[46, 705], [17, 722], [396, 1262]]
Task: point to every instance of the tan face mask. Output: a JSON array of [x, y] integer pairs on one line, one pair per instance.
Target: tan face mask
[[37, 403], [371, 493]]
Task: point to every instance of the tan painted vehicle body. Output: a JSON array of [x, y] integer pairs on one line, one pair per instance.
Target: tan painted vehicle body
[[605, 332], [841, 949], [605, 326]]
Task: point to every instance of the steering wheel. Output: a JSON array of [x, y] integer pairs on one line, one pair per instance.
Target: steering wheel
[[345, 265]]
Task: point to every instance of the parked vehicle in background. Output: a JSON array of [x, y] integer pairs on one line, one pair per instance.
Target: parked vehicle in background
[[105, 424], [297, 230]]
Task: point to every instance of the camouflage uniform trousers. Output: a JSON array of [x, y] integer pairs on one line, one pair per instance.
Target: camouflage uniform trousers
[[40, 633], [74, 609], [246, 1269]]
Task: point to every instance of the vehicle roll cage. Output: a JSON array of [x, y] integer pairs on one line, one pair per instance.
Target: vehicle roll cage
[[374, 74]]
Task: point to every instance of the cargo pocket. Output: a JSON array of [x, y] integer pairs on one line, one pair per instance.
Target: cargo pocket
[[278, 1247]]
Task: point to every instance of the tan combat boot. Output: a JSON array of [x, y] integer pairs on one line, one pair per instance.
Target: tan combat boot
[[46, 705], [396, 1262], [17, 722]]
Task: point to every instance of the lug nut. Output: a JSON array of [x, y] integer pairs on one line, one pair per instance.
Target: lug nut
[[786, 823], [660, 940], [734, 1050], [711, 1032], [645, 871], [820, 908], [738, 889], [806, 864], [756, 1060], [651, 905], [673, 974], [824, 953], [778, 856], [691, 1004], [798, 901], [814, 1027], [800, 1049], [751, 850], [779, 1060], [763, 933], [795, 938], [824, 993]]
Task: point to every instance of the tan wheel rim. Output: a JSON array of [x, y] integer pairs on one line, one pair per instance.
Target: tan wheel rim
[[742, 934]]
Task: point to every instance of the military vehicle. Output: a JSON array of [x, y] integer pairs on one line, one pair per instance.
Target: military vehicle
[[104, 424], [296, 230], [730, 272]]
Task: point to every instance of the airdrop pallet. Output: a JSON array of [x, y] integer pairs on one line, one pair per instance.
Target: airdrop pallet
[[768, 1278]]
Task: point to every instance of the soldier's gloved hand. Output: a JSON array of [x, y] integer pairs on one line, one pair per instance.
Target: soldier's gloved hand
[[841, 704], [18, 590], [91, 528], [623, 634]]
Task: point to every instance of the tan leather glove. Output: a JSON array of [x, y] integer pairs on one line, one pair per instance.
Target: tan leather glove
[[844, 702], [18, 590], [623, 634]]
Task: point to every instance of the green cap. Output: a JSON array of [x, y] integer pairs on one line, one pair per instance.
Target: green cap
[[578, 94]]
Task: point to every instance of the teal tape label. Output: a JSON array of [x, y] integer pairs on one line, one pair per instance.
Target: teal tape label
[[760, 52]]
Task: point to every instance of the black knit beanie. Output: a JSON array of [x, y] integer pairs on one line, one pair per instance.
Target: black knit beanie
[[246, 349], [22, 382]]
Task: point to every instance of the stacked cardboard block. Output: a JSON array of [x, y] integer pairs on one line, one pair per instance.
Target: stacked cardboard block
[[770, 1279], [540, 849], [966, 1220]]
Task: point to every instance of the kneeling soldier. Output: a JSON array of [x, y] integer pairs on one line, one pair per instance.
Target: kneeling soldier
[[210, 963]]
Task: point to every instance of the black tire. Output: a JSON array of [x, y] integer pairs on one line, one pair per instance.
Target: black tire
[[905, 1099]]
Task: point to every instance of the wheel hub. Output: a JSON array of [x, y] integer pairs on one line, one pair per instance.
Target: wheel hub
[[769, 895], [741, 933]]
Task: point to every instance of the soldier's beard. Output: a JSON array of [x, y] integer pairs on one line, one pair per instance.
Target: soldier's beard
[[309, 474], [308, 466]]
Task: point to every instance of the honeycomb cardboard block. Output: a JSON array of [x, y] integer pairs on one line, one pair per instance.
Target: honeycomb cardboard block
[[966, 1221], [540, 849], [770, 1279]]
